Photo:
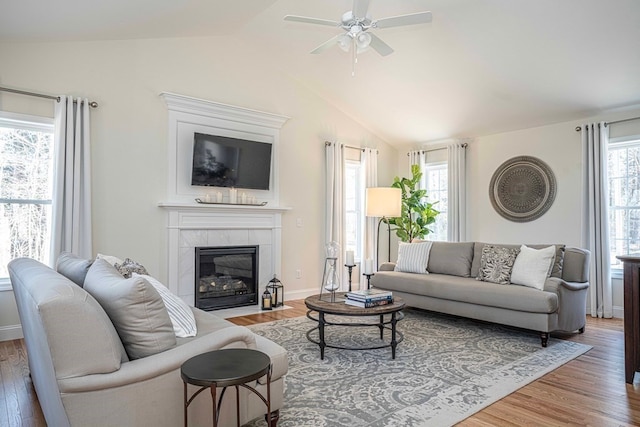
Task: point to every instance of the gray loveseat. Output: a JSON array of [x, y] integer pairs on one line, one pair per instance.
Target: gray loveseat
[[452, 288], [83, 375]]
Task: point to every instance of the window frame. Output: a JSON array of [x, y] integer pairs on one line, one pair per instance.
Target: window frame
[[32, 123], [614, 144], [439, 165], [359, 211]]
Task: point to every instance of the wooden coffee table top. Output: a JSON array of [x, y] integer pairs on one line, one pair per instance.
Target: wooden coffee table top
[[340, 308]]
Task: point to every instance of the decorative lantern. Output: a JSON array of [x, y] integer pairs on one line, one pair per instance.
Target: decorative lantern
[[266, 300], [277, 292]]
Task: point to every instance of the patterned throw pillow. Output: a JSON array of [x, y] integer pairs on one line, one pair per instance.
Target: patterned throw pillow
[[496, 264], [129, 266]]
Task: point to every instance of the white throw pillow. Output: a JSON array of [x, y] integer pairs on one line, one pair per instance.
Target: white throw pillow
[[533, 266], [413, 257], [182, 318]]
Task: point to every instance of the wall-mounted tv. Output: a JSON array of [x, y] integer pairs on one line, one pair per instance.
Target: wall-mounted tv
[[220, 161]]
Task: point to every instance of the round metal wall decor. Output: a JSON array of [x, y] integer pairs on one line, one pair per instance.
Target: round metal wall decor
[[522, 189]]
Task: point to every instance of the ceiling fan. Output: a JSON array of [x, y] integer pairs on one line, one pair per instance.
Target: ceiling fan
[[356, 23]]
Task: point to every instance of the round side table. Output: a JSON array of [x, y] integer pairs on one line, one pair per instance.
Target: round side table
[[225, 368]]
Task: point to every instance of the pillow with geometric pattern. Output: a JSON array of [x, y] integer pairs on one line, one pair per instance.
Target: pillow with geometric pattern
[[496, 264]]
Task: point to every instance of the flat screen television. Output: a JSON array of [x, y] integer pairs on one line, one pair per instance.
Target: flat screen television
[[220, 161]]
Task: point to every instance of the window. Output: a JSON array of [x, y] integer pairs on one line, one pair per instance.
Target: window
[[624, 198], [354, 201], [436, 180], [26, 187]]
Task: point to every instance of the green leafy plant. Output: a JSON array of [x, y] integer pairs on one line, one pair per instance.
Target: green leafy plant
[[417, 214]]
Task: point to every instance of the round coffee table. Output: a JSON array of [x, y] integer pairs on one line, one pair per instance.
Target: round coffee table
[[224, 368], [338, 308]]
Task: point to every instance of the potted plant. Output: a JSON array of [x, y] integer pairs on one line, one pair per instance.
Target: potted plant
[[417, 213]]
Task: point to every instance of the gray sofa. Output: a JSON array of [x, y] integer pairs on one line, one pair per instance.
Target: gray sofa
[[452, 288], [84, 377]]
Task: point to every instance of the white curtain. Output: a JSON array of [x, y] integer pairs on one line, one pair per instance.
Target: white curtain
[[595, 138], [71, 228], [370, 164], [457, 192], [335, 214]]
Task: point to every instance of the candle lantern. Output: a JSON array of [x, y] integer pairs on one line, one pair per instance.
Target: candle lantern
[[276, 288], [266, 300]]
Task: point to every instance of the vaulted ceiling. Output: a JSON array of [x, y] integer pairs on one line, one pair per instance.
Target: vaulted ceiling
[[481, 66]]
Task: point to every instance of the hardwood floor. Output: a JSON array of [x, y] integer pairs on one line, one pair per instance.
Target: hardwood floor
[[589, 390]]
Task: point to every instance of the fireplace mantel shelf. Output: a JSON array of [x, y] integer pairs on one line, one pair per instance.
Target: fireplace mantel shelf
[[222, 207]]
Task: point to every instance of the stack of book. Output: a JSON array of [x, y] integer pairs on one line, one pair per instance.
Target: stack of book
[[368, 298]]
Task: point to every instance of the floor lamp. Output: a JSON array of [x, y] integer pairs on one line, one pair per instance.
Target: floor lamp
[[383, 202]]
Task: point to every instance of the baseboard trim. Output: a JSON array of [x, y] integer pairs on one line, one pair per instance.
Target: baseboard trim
[[618, 311], [11, 332]]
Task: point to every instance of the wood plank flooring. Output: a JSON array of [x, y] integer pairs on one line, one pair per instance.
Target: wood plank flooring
[[588, 391]]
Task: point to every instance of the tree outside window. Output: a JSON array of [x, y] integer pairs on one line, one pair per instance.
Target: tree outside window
[[436, 184], [26, 186], [624, 199]]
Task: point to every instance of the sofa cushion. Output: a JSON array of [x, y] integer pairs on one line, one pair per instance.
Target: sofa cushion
[[533, 266], [184, 324], [73, 267], [135, 308], [496, 264], [468, 290], [413, 257], [556, 271], [452, 258]]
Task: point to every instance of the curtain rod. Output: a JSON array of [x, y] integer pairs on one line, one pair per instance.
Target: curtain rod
[[464, 145], [579, 128], [92, 104], [327, 143]]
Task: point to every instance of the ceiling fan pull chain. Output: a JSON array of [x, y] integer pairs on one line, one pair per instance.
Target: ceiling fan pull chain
[[354, 56]]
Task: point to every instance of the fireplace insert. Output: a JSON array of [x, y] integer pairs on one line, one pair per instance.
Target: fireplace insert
[[226, 277]]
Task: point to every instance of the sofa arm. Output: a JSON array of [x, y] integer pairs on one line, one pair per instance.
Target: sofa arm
[[387, 266], [572, 302], [158, 364], [575, 266]]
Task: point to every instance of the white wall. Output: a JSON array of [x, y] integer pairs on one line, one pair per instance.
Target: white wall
[[129, 135]]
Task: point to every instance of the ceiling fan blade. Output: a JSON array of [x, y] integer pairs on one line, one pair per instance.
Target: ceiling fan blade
[[379, 46], [360, 8], [326, 45], [307, 20], [396, 21]]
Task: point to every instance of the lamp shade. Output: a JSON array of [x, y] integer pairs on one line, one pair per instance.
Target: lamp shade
[[384, 202]]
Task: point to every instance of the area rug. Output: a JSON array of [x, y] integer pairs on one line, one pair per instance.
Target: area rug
[[446, 369]]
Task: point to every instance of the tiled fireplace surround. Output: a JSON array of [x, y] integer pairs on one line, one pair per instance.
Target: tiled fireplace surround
[[210, 226]]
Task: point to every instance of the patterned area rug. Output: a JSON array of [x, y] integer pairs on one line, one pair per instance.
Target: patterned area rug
[[446, 369]]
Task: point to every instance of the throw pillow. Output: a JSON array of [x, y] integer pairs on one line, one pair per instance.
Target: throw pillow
[[135, 309], [73, 267], [496, 264], [413, 257], [129, 266], [533, 266], [182, 318]]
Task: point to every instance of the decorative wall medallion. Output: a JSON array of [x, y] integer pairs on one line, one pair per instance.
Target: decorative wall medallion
[[522, 189]]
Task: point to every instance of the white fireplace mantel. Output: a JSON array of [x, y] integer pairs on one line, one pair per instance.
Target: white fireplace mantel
[[197, 225]]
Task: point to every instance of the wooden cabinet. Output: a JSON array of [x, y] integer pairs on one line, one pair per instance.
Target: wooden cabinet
[[631, 316]]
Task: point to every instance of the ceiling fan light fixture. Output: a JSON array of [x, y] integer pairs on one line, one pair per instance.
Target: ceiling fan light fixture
[[344, 41], [363, 40]]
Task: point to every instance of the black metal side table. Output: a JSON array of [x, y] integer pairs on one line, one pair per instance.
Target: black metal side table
[[224, 368]]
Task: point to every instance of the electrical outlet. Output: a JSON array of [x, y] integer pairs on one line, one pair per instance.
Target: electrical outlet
[[299, 222], [298, 274]]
